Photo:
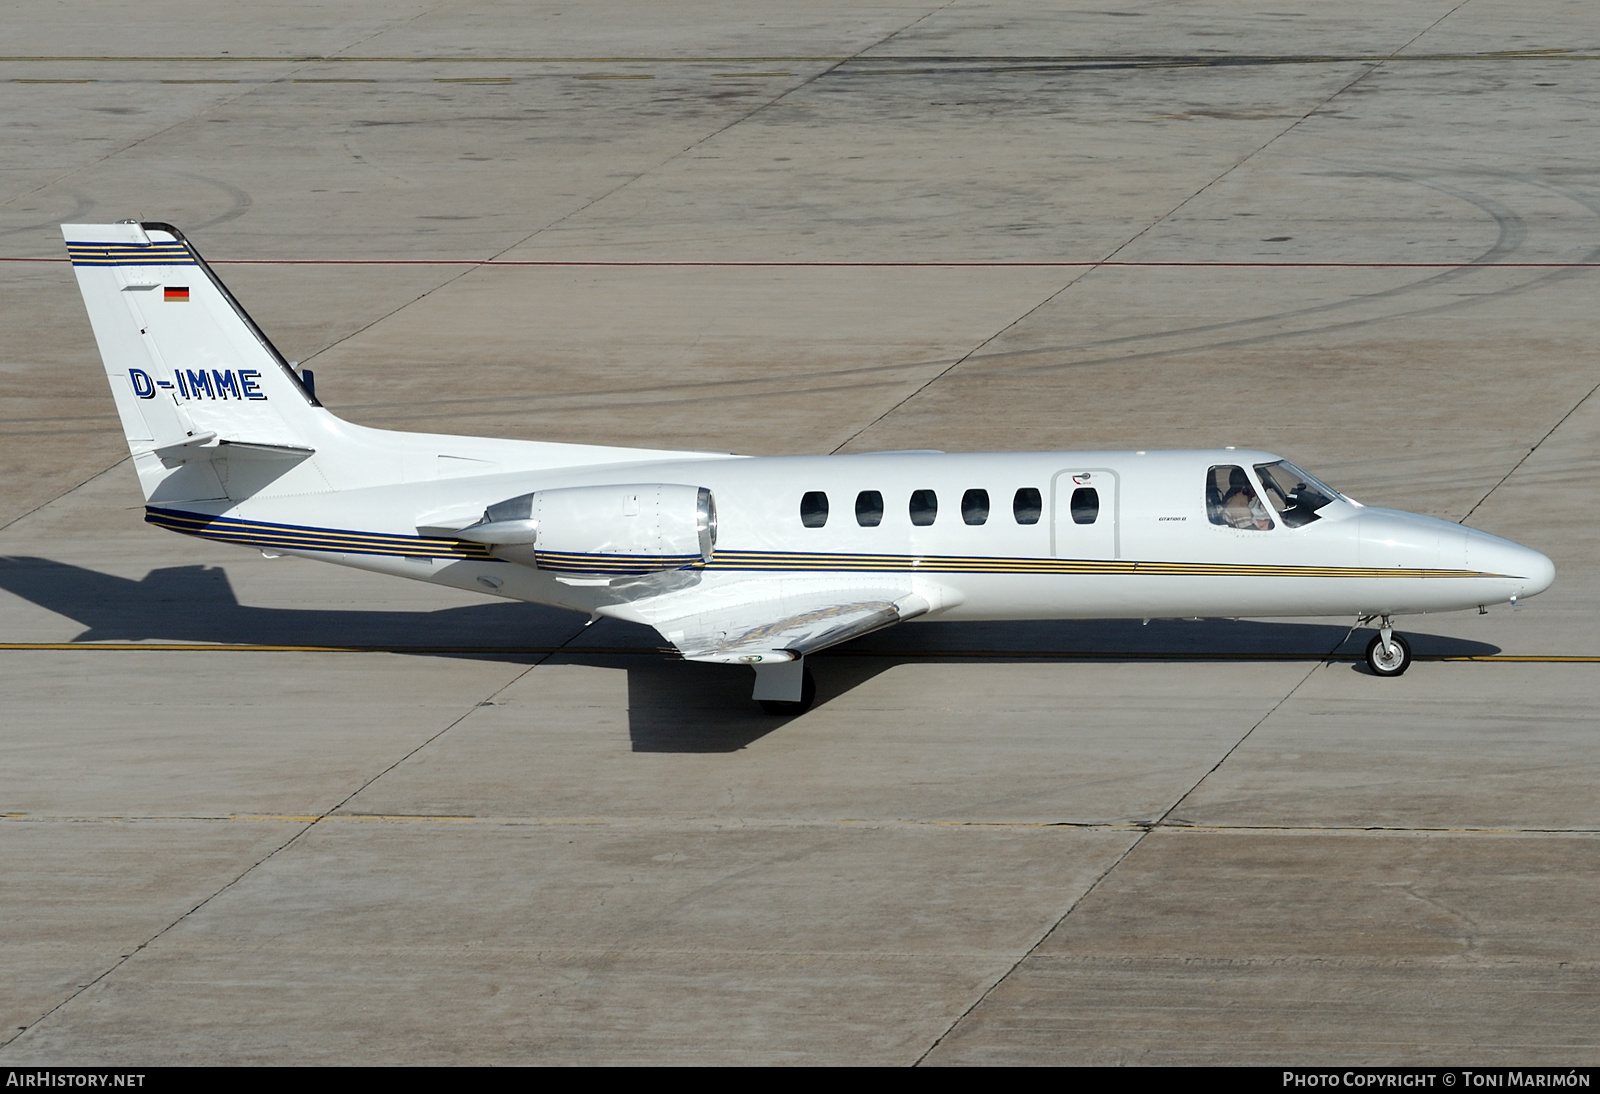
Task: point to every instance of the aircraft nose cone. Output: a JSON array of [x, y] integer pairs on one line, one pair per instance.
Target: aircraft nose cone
[[1534, 571], [1540, 571]]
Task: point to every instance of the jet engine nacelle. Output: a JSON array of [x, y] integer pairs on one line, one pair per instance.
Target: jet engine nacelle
[[630, 529]]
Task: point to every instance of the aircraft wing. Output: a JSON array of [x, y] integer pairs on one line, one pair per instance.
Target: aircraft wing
[[762, 622]]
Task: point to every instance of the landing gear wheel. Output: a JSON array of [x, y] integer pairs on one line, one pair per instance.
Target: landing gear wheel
[[808, 695], [1391, 661]]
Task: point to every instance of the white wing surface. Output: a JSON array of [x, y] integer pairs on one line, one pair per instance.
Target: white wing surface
[[758, 622]]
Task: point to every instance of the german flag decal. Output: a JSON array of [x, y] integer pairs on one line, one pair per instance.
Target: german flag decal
[[176, 293]]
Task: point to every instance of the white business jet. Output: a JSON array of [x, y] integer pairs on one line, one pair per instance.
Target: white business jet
[[739, 560]]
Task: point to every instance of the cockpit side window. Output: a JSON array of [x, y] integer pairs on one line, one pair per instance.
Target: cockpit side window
[[1232, 502], [1293, 493]]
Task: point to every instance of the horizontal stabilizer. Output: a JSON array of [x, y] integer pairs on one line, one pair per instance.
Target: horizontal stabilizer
[[183, 449], [206, 444]]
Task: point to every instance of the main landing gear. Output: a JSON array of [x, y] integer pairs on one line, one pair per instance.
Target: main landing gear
[[785, 688], [808, 695], [1388, 654]]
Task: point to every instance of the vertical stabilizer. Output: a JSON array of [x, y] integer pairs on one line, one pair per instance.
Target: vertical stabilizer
[[213, 413], [192, 375]]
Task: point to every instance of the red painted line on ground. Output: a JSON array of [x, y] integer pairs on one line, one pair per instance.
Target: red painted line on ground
[[824, 264]]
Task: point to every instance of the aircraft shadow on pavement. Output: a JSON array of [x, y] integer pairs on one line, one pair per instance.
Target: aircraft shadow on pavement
[[695, 707], [198, 604], [672, 706], [706, 708]]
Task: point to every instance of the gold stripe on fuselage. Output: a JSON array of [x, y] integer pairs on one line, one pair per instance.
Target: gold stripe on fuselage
[[292, 537]]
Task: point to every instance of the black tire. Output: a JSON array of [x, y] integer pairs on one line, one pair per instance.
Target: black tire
[[784, 707], [1379, 665]]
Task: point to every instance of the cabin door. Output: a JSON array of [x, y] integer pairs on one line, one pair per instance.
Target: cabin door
[[1084, 512]]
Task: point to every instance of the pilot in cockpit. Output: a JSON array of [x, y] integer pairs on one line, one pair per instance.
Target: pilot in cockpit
[[1239, 506]]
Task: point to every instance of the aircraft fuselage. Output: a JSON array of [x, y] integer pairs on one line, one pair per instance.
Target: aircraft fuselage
[[1149, 549]]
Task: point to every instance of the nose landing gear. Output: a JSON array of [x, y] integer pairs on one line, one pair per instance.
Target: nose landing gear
[[1388, 654]]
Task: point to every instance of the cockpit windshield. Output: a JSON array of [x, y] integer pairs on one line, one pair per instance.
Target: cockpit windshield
[[1293, 493]]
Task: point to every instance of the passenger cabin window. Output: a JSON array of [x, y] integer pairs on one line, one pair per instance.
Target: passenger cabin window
[[1027, 505], [1293, 493], [1085, 505], [1232, 502], [869, 508], [975, 506], [814, 509], [924, 507]]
